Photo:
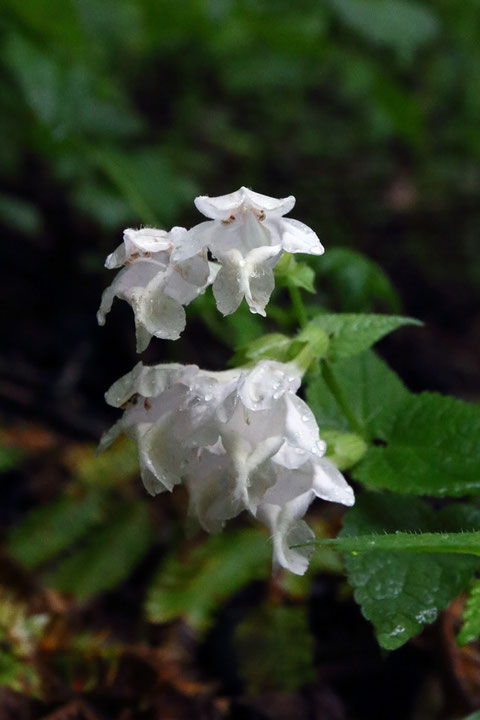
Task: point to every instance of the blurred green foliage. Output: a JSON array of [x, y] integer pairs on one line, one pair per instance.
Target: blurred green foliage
[[366, 109]]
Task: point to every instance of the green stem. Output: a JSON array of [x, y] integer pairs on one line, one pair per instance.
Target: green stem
[[298, 305], [337, 393]]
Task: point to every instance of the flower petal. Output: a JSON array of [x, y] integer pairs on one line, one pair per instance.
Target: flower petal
[[287, 530], [224, 206], [160, 315], [298, 237], [227, 288], [124, 284]]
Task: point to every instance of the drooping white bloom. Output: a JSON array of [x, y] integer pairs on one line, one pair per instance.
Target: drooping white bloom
[[247, 233], [239, 440], [153, 284]]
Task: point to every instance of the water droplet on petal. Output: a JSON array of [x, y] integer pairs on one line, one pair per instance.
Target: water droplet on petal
[[315, 250]]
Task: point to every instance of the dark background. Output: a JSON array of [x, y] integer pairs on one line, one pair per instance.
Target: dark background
[[118, 113]]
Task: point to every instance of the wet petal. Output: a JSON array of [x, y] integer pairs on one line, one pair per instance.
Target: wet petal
[[298, 237]]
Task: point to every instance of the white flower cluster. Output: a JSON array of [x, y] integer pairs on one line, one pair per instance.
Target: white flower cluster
[[246, 233], [154, 285], [240, 440]]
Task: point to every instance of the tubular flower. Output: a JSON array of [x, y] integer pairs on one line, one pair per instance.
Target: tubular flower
[[239, 440], [153, 284], [247, 233]]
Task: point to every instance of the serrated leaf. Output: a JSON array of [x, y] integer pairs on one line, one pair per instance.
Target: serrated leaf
[[109, 556], [370, 388], [195, 583], [48, 530], [470, 629], [352, 333], [275, 649], [399, 592], [431, 448]]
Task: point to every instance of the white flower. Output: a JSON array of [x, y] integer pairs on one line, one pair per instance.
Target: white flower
[[247, 234], [239, 440], [155, 286]]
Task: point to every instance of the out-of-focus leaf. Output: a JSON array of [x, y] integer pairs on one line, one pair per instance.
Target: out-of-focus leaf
[[372, 391], [401, 24], [357, 283], [111, 468], [20, 215], [193, 584], [470, 629], [275, 649], [18, 675], [65, 95], [52, 528], [148, 182], [431, 448], [401, 591], [352, 333], [103, 204], [109, 556]]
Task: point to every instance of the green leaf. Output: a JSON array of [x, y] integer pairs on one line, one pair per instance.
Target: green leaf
[[109, 556], [52, 528], [275, 649], [109, 469], [399, 592], [370, 388], [403, 25], [357, 283], [290, 271], [470, 629], [474, 716], [460, 543], [344, 449], [431, 448], [352, 333], [194, 584]]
